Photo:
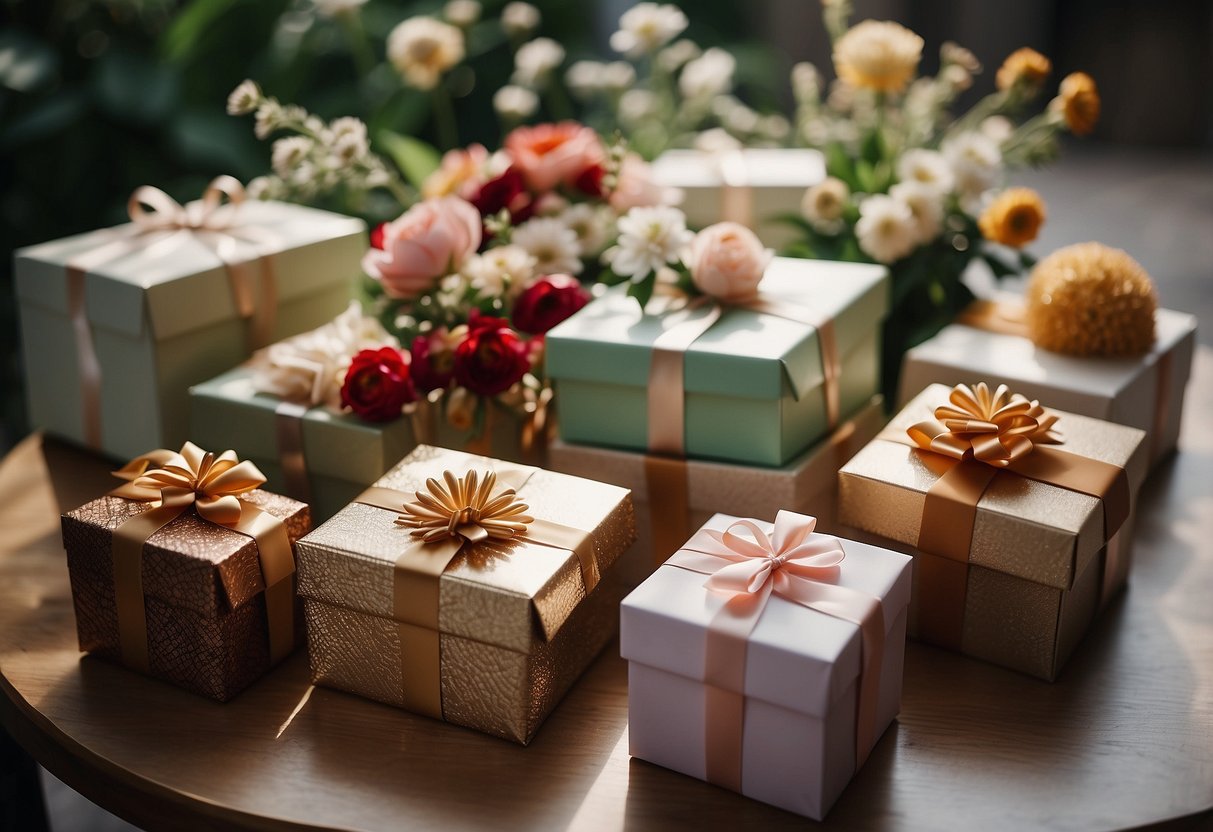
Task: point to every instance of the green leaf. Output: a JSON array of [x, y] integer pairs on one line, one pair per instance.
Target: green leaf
[[865, 176], [643, 290], [996, 264], [190, 24], [134, 87], [415, 159], [839, 164], [1026, 261], [872, 148]]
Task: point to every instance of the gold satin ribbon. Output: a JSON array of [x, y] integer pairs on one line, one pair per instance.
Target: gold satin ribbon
[[151, 210], [211, 486], [288, 435], [976, 436], [417, 577], [800, 567]]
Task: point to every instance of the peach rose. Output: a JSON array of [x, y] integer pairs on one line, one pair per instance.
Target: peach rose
[[429, 241], [636, 187], [461, 173], [554, 154], [727, 261]]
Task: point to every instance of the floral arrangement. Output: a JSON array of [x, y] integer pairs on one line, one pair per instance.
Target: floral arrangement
[[914, 188]]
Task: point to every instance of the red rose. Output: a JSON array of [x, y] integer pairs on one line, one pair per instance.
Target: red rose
[[377, 235], [507, 191], [377, 385], [589, 181], [547, 302], [491, 358], [433, 360]]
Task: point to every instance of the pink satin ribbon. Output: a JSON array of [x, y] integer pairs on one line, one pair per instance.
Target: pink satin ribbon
[[798, 566]]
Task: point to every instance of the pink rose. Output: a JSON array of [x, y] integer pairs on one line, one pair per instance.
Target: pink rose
[[554, 154], [727, 261], [461, 173], [636, 187], [429, 241]]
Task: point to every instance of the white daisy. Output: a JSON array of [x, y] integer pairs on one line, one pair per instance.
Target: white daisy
[[552, 243], [824, 203], [519, 19], [649, 238], [926, 205], [886, 228], [646, 27], [289, 154], [976, 164], [422, 49], [500, 270], [591, 223]]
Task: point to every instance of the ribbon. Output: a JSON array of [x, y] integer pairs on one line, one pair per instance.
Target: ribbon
[[798, 566], [445, 518], [151, 210], [977, 435], [210, 485], [288, 434], [736, 196]]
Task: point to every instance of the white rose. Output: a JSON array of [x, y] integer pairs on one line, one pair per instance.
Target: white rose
[[886, 228]]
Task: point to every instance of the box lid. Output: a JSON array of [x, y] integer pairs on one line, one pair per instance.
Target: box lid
[[796, 168], [335, 444], [176, 280], [499, 592], [1090, 384], [190, 563], [745, 354], [1028, 529], [748, 490], [797, 658]]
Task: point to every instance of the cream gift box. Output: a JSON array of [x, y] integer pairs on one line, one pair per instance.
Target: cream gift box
[[766, 371], [788, 720], [1023, 588], [754, 186], [675, 497], [161, 309], [1144, 392], [494, 639]]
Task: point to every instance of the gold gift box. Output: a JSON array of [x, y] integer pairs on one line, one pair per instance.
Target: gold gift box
[[515, 622], [1036, 570], [807, 484]]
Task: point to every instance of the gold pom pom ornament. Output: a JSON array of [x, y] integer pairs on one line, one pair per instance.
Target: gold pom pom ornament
[[1090, 299]]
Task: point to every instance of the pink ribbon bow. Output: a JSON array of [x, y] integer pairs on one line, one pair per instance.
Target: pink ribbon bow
[[768, 563]]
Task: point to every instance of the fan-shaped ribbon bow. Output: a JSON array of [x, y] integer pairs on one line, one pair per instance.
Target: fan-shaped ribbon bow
[[799, 566], [995, 428], [176, 481]]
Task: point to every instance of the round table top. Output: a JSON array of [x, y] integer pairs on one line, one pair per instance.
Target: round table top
[[1125, 737]]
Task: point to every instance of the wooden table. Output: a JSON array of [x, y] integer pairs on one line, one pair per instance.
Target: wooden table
[[1124, 738]]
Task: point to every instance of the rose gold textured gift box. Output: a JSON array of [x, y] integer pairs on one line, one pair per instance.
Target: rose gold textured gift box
[[1039, 560], [203, 590], [500, 628]]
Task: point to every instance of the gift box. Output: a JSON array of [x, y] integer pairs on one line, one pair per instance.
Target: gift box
[[1144, 392], [780, 694], [675, 497], [754, 186], [1013, 553], [623, 377], [117, 324], [480, 630], [199, 599]]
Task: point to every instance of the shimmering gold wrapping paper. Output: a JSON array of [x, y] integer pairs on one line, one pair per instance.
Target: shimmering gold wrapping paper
[[203, 589], [807, 484], [517, 626], [1038, 551]]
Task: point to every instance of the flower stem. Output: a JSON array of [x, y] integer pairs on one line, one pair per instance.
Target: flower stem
[[444, 118], [360, 46]]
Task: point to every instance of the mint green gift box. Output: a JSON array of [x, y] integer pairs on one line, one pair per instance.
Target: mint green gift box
[[343, 453], [753, 383]]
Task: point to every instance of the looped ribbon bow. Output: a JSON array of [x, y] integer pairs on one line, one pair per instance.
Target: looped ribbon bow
[[176, 481], [800, 566], [996, 428], [211, 213]]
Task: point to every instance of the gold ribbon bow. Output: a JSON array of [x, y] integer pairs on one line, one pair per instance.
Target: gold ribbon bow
[[151, 210], [978, 436], [444, 518], [176, 481], [995, 428]]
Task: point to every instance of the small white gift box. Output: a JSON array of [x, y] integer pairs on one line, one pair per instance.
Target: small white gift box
[[766, 693]]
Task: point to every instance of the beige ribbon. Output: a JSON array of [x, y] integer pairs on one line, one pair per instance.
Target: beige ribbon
[[211, 485], [736, 195], [447, 517], [975, 436], [210, 220]]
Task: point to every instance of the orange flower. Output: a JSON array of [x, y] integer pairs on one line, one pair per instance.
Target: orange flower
[[1025, 66], [1078, 101], [1014, 218]]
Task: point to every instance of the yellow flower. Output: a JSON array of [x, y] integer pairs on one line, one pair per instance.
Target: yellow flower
[[878, 55], [1091, 299], [1078, 102], [1025, 66], [1014, 218]]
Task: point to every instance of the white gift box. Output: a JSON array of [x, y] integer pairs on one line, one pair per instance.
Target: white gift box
[[751, 186], [1145, 392], [164, 311], [802, 671]]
